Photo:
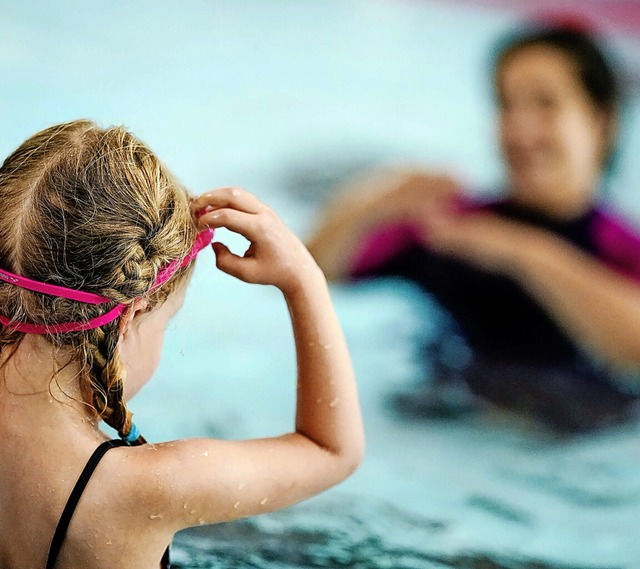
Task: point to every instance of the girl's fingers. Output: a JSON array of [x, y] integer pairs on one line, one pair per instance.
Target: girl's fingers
[[235, 198], [224, 257], [246, 224], [232, 264]]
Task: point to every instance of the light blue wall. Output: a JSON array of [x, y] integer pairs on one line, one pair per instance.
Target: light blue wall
[[225, 89]]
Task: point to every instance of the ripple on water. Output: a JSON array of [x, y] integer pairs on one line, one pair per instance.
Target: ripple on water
[[336, 534]]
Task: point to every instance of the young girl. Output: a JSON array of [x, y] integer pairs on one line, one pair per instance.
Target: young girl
[[97, 242]]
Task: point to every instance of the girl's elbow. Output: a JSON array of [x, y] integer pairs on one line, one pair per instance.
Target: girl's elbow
[[351, 458]]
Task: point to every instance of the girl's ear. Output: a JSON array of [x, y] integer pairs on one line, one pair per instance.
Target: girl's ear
[[136, 308]]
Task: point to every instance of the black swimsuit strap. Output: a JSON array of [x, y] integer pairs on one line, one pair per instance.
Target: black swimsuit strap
[[74, 498]]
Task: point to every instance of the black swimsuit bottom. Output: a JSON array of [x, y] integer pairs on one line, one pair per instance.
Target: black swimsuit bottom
[[74, 498]]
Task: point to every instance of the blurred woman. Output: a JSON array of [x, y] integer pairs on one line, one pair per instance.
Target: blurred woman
[[542, 284]]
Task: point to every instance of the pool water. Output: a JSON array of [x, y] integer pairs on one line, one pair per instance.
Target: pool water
[[285, 97]]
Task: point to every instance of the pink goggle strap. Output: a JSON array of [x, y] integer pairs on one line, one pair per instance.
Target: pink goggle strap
[[202, 240], [67, 326], [53, 290]]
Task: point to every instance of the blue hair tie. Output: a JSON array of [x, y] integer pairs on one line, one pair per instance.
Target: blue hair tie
[[133, 436]]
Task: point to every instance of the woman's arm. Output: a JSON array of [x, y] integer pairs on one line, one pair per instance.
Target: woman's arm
[[205, 480], [596, 306], [377, 199]]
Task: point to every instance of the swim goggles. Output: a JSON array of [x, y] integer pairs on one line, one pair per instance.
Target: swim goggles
[[202, 240]]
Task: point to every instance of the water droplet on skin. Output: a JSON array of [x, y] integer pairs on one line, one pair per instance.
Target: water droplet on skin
[[334, 402], [327, 346], [235, 506], [155, 516], [202, 521], [263, 501], [319, 400], [192, 512], [241, 486], [205, 453], [311, 344], [235, 192]]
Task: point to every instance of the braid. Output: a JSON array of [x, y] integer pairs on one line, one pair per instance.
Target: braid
[[107, 378], [107, 375], [100, 345], [136, 274]]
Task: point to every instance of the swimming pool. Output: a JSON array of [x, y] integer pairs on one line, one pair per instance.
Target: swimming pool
[[283, 96]]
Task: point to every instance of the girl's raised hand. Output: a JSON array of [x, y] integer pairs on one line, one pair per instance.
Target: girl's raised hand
[[275, 255]]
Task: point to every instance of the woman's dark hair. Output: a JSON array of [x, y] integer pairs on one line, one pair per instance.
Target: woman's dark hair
[[596, 73]]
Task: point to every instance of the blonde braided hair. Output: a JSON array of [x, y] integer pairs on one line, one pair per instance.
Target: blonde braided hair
[[91, 209]]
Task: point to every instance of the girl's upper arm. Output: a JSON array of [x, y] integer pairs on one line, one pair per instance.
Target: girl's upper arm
[[199, 481]]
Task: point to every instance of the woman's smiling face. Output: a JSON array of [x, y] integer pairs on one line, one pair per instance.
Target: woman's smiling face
[[553, 137]]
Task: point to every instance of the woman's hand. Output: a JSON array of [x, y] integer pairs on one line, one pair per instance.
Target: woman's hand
[[275, 255], [367, 202], [400, 195], [481, 239]]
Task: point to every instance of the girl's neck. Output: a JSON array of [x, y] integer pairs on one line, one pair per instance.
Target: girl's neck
[[32, 399]]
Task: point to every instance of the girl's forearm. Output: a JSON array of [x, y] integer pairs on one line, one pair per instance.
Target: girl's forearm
[[328, 411]]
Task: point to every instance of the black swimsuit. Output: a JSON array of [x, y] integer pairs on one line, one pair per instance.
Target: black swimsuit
[[74, 498], [521, 356]]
